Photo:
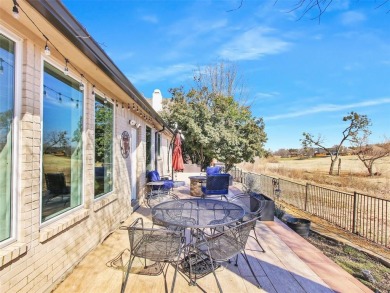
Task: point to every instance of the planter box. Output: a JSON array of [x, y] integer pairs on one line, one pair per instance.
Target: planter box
[[300, 226], [268, 211]]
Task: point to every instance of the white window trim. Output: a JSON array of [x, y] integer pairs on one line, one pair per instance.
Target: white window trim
[[109, 100], [71, 74], [16, 148]]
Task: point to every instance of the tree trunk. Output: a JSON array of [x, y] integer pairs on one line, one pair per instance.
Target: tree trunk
[[332, 166], [339, 168]]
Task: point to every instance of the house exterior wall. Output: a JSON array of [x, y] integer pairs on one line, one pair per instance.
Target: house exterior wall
[[39, 255]]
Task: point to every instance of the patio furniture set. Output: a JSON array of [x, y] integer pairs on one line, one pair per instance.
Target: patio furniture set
[[195, 235]]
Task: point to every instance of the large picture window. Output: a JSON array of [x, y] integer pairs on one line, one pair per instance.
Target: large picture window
[[148, 148], [62, 143], [7, 93], [104, 122]]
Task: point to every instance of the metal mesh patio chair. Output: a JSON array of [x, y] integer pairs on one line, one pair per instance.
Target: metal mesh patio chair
[[253, 206], [159, 245], [56, 186], [222, 246]]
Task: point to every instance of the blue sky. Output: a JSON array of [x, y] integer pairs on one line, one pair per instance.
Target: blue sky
[[299, 75]]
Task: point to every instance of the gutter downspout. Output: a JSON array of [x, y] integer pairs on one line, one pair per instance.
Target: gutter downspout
[[155, 147]]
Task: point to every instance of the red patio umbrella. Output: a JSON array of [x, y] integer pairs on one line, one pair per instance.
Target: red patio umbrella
[[177, 157]]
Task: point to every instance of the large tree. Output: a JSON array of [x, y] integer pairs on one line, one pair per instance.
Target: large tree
[[357, 124], [369, 153], [214, 123]]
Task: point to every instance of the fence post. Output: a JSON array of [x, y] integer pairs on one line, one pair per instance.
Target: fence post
[[306, 195], [354, 215]]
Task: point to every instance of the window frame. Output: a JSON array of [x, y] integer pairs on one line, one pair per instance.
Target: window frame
[[16, 148], [109, 100], [57, 65]]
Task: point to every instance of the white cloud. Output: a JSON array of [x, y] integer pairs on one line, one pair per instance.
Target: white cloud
[[252, 45], [352, 17], [329, 108], [181, 71], [150, 18], [266, 95]]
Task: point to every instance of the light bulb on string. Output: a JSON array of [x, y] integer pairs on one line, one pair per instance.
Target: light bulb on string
[[66, 70], [128, 106], [105, 99], [81, 85], [122, 106], [47, 50], [15, 11], [60, 97], [93, 90]]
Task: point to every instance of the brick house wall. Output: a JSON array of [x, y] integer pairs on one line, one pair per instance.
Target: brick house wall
[[41, 255]]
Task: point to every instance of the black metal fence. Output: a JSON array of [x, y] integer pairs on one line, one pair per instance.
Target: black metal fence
[[364, 215]]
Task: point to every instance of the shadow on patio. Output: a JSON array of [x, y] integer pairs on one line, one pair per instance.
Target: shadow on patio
[[290, 264]]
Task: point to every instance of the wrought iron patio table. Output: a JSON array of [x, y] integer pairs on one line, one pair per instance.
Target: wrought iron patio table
[[196, 214]]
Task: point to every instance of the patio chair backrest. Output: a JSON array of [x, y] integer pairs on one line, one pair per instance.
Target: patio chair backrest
[[213, 170], [217, 184], [252, 205], [55, 183], [154, 244], [230, 242]]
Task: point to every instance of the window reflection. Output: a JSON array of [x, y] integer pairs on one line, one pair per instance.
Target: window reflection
[[103, 146], [148, 148], [62, 143], [7, 92]]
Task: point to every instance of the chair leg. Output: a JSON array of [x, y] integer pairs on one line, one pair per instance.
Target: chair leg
[[250, 267], [257, 239], [127, 274], [174, 277], [213, 268]]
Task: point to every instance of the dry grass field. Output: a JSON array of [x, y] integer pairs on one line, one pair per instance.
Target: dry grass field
[[353, 175]]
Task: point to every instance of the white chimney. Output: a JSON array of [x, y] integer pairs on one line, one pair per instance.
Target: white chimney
[[157, 100]]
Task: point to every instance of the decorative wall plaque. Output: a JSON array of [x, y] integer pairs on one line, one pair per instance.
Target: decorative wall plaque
[[125, 144]]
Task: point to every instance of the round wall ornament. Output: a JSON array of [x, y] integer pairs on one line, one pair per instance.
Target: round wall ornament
[[125, 144]]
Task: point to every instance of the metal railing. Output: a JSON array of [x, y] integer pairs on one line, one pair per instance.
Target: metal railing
[[364, 215]]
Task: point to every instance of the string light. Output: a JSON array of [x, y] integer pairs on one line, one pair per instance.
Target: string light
[[47, 52], [66, 70], [81, 85], [60, 95], [15, 10], [105, 99], [128, 106], [47, 49]]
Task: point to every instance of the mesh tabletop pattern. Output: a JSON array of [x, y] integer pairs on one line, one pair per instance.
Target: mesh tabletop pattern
[[197, 213]]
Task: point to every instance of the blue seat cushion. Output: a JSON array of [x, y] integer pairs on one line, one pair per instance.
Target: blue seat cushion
[[153, 176], [213, 170]]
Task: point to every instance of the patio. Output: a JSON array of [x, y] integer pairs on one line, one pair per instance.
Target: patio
[[290, 264]]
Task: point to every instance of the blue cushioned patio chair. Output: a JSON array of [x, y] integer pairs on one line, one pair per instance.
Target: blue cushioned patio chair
[[153, 176], [217, 184]]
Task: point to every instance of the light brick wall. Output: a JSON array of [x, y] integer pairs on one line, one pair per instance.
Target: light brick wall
[[43, 255]]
